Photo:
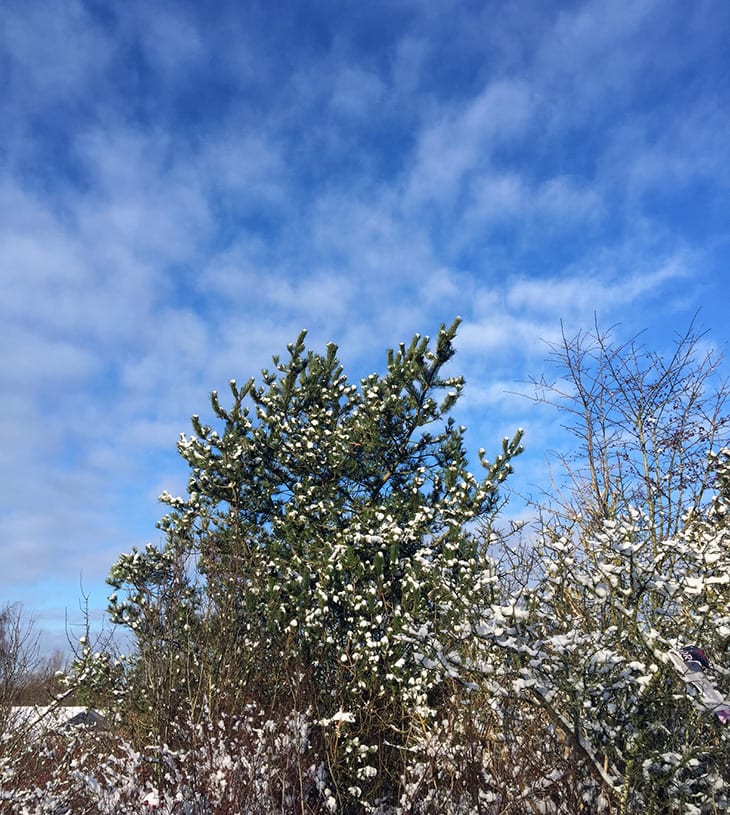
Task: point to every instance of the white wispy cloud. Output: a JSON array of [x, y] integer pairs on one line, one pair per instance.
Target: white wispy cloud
[[464, 139]]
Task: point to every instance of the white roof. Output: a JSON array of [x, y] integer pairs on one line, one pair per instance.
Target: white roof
[[40, 718]]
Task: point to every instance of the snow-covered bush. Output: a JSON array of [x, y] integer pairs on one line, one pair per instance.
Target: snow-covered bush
[[254, 765], [632, 560], [583, 652], [248, 765]]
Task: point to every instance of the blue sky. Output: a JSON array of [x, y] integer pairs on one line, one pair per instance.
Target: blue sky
[[184, 186]]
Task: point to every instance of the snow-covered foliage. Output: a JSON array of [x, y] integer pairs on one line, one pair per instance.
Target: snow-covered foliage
[[335, 625], [322, 520], [255, 765], [586, 642], [249, 765]]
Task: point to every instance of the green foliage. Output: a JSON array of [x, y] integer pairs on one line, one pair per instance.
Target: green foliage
[[322, 521]]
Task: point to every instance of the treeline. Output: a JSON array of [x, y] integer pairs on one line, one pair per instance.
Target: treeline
[[26, 676], [338, 620]]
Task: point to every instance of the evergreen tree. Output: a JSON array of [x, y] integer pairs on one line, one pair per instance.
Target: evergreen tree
[[324, 523]]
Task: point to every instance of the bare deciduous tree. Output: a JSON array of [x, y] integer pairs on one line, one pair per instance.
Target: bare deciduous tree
[[645, 424], [19, 657]]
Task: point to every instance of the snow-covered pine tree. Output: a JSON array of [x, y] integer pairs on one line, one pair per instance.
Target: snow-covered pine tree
[[322, 519]]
